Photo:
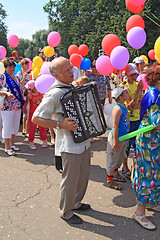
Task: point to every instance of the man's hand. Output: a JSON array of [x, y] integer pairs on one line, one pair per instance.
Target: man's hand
[[68, 124]]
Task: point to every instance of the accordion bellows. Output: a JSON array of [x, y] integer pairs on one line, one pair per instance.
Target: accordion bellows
[[82, 103]]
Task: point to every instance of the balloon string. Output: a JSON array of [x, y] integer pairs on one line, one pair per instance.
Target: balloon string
[[152, 20], [139, 61], [155, 17]]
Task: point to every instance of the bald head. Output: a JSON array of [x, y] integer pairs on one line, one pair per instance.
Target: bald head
[[61, 69]]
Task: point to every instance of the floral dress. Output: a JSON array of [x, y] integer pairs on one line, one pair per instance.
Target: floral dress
[[146, 180]]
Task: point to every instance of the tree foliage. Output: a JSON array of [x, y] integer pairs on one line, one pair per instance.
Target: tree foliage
[[88, 21], [3, 28]]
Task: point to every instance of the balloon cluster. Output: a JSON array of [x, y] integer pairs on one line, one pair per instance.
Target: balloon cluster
[[76, 56]]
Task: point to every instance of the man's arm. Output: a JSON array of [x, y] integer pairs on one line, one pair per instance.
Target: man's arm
[[67, 123]]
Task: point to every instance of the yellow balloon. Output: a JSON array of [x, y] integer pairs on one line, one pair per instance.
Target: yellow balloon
[[157, 48], [49, 51], [2, 69], [158, 59], [33, 67], [36, 71], [37, 61], [144, 58]]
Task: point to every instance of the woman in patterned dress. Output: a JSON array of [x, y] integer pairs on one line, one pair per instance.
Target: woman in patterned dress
[[146, 180]]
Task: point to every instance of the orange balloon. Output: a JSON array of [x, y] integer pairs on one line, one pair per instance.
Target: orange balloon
[[73, 49], [109, 42], [75, 59], [135, 21], [133, 8], [151, 54], [120, 71], [83, 50]]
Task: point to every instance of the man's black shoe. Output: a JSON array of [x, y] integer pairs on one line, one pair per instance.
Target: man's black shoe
[[74, 220], [83, 207]]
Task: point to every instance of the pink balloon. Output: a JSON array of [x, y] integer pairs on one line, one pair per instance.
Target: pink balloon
[[142, 77], [30, 64], [3, 51], [53, 39], [44, 82], [45, 69], [13, 40], [119, 57], [104, 66], [137, 2], [136, 37]]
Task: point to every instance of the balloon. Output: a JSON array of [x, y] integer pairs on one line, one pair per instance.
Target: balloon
[[137, 132], [53, 39], [119, 57], [135, 21], [49, 51], [104, 65], [38, 61], [136, 37], [109, 121], [0, 55], [45, 68], [108, 109], [13, 40], [120, 71], [133, 8], [157, 48], [75, 59], [36, 72], [137, 2], [2, 69], [83, 50], [30, 64], [44, 82], [151, 54], [17, 68], [109, 42], [142, 77], [73, 49], [33, 67], [144, 58], [85, 64], [3, 51]]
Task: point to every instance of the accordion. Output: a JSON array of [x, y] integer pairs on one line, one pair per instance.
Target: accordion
[[82, 103]]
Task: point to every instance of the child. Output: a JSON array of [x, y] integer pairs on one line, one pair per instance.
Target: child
[[133, 105], [116, 150], [80, 81], [34, 98]]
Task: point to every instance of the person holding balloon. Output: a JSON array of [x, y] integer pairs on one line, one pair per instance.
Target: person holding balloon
[[24, 77], [13, 103], [133, 106], [34, 98], [146, 180], [116, 150]]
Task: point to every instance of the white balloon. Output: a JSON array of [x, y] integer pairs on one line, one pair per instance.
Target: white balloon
[[108, 109], [109, 121], [2, 69]]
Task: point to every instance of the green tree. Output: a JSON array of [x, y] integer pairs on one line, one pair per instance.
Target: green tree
[[3, 27]]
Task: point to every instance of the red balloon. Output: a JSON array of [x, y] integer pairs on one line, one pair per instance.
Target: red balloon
[[73, 49], [132, 8], [151, 54], [83, 50], [120, 71], [135, 21], [109, 42], [75, 59]]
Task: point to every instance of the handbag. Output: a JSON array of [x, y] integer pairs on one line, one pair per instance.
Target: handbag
[[4, 89]]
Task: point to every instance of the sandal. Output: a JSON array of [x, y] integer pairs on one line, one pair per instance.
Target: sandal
[[15, 148], [114, 185], [10, 152], [32, 146], [44, 144], [126, 173], [148, 225], [118, 177], [154, 208]]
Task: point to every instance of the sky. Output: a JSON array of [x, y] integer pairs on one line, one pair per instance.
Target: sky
[[26, 17]]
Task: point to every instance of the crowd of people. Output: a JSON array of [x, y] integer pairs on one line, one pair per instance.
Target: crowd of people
[[133, 110]]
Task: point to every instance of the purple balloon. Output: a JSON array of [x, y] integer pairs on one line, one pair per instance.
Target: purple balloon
[[44, 82], [0, 55], [45, 69], [136, 37], [103, 65], [119, 57]]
